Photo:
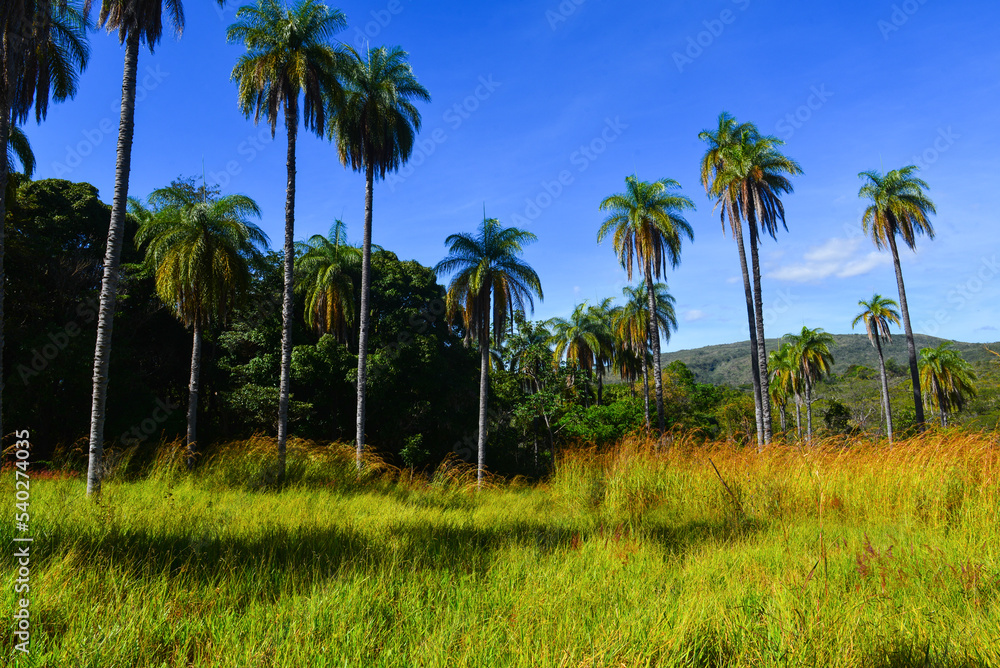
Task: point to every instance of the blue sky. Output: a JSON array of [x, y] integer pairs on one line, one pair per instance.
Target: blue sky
[[540, 109]]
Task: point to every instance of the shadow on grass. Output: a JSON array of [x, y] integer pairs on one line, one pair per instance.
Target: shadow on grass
[[903, 653]]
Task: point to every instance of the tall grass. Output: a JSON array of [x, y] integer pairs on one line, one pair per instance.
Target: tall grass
[[844, 553]]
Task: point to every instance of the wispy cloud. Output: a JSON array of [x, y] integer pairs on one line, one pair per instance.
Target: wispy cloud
[[837, 256], [694, 315]]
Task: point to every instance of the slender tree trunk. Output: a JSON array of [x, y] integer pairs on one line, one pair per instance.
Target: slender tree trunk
[[654, 335], [809, 411], [798, 417], [287, 313], [758, 300], [109, 282], [645, 384], [944, 418], [752, 321], [918, 404], [886, 407], [782, 409], [484, 388], [366, 282], [600, 385], [192, 416]]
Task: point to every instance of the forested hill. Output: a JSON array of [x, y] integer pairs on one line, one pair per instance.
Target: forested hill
[[729, 363]]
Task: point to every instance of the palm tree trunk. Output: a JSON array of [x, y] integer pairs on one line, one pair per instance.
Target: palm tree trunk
[[751, 319], [600, 384], [798, 416], [484, 387], [758, 301], [809, 411], [192, 416], [654, 335], [287, 313], [109, 282], [366, 282], [782, 409], [645, 384], [886, 407], [918, 404]]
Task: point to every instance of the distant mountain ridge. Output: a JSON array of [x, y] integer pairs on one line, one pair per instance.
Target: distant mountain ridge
[[729, 363]]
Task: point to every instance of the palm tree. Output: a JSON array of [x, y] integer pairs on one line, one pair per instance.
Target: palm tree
[[648, 222], [201, 253], [877, 314], [42, 51], [812, 352], [18, 153], [290, 54], [323, 271], [948, 377], [786, 382], [899, 207], [137, 22], [632, 325], [374, 128], [489, 276], [579, 340], [747, 174]]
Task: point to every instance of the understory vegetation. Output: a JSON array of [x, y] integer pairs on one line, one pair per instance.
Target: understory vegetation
[[843, 553]]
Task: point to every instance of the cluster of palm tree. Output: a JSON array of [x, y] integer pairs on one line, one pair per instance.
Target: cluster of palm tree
[[294, 70], [795, 368], [949, 379]]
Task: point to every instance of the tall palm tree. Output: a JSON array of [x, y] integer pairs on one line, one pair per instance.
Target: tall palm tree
[[949, 379], [647, 222], [898, 206], [290, 55], [136, 22], [374, 129], [42, 51], [748, 174], [18, 153], [202, 253], [722, 142], [323, 271], [489, 277], [632, 325], [812, 352], [877, 314]]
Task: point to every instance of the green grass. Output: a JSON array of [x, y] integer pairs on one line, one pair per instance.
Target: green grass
[[845, 554]]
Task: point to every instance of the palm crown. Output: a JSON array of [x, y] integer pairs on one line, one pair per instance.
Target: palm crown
[[376, 121], [647, 223], [202, 252], [488, 263], [898, 206], [877, 315], [324, 268], [289, 52]]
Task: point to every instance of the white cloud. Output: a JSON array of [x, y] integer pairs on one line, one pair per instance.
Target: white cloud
[[835, 257], [694, 315]]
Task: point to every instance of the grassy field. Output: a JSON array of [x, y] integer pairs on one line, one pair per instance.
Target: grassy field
[[844, 554]]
